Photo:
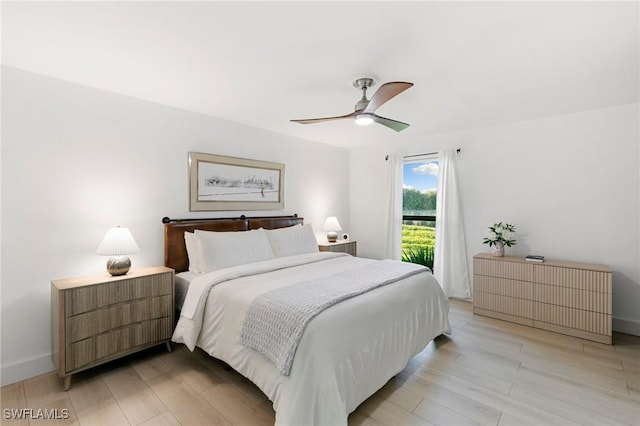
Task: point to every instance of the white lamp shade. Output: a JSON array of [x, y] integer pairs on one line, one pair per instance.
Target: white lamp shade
[[332, 224], [117, 242]]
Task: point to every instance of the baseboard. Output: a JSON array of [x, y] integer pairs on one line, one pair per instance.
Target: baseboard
[[26, 369], [626, 326]]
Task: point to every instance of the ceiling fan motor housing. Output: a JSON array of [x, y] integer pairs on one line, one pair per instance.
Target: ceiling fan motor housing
[[362, 104]]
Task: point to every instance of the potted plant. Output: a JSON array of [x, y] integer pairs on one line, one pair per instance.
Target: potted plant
[[498, 236]]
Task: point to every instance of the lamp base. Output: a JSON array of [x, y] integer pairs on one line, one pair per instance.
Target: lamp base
[[118, 265], [332, 236]]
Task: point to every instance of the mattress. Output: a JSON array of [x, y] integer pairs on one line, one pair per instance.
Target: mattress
[[183, 280]]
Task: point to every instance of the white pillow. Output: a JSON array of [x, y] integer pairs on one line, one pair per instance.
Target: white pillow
[[193, 252], [297, 239], [223, 249]]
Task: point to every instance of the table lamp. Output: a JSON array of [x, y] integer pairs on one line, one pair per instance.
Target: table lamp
[[118, 243], [332, 226]]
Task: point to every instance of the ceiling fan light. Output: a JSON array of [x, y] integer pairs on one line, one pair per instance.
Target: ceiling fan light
[[364, 119]]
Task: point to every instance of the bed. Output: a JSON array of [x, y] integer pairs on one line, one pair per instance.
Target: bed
[[344, 353]]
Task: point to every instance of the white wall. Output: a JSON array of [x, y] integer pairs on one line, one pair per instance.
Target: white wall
[[77, 160], [570, 184]]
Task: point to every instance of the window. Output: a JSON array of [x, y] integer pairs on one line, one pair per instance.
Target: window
[[419, 189]]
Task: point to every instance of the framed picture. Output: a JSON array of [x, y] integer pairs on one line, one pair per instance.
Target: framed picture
[[229, 183]]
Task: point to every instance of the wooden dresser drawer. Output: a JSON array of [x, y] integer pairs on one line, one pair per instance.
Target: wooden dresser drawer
[[90, 323], [503, 304], [504, 287], [510, 270], [580, 279], [579, 299], [92, 297], [556, 318], [99, 347]]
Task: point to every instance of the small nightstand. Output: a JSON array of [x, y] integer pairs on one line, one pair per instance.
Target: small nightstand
[[339, 246], [97, 319]]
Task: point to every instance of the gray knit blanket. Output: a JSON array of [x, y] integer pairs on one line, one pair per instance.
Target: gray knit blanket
[[276, 320]]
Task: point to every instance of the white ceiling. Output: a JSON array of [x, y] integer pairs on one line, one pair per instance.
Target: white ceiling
[[263, 63]]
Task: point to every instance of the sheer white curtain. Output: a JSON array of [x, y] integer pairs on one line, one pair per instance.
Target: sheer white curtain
[[450, 257], [393, 245]]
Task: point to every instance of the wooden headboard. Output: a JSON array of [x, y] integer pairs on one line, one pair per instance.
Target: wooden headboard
[[175, 250]]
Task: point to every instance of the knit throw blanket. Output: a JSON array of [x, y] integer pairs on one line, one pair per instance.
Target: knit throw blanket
[[276, 320]]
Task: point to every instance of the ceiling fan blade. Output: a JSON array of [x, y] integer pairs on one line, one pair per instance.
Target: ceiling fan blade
[[386, 92], [398, 126], [319, 120]]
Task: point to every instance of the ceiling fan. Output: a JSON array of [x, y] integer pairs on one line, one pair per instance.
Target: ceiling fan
[[364, 113]]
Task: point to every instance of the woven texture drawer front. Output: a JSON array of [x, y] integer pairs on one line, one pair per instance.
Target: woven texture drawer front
[[90, 323], [510, 270], [580, 279], [578, 319], [503, 304], [503, 287], [101, 346], [93, 297], [579, 299]]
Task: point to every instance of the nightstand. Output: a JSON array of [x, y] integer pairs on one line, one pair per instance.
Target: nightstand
[[97, 319], [339, 246]]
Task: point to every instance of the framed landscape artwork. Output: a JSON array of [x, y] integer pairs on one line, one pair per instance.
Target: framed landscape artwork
[[229, 183]]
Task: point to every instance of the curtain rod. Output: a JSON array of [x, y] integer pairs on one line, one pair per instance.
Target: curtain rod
[[427, 153], [421, 155]]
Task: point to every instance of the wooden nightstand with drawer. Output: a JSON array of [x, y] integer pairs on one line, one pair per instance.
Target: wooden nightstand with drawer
[[339, 246], [97, 319]]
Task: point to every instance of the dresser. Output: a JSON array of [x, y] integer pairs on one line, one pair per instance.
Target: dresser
[[339, 246], [565, 297], [97, 319]]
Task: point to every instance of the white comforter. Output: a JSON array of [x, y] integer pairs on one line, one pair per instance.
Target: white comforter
[[346, 353]]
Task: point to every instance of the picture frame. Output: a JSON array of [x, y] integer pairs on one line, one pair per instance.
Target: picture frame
[[221, 183]]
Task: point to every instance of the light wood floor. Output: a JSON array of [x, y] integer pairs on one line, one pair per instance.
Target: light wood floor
[[489, 372]]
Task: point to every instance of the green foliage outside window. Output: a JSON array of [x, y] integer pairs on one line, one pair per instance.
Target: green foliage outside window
[[418, 236], [418, 243], [413, 200]]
